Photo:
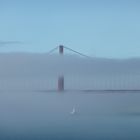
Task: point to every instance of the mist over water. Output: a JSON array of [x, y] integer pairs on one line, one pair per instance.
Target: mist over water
[[41, 71], [32, 109]]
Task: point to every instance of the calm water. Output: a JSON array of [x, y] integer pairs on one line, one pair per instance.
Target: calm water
[[47, 116]]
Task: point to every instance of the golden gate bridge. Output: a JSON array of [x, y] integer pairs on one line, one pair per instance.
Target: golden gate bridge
[[116, 83]]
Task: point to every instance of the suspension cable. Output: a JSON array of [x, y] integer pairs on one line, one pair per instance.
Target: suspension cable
[[51, 51], [81, 54], [77, 52]]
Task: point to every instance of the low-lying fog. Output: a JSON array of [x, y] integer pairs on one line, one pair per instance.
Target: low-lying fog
[[32, 112], [41, 71]]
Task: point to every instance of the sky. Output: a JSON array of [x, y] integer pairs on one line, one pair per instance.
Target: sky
[[98, 28]]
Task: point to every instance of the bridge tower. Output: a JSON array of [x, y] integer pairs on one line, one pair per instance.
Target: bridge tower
[[61, 77]]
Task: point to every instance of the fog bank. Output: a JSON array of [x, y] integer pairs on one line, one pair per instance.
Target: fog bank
[[41, 71]]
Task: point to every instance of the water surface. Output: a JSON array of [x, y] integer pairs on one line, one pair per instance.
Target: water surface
[[46, 115]]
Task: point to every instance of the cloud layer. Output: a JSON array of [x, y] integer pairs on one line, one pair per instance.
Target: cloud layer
[[3, 43]]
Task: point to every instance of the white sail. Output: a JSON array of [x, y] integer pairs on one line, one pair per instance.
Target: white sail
[[73, 111]]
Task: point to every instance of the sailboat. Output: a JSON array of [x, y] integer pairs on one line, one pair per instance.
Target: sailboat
[[73, 111]]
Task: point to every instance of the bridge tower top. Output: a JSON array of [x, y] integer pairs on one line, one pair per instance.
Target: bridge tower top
[[61, 49]]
